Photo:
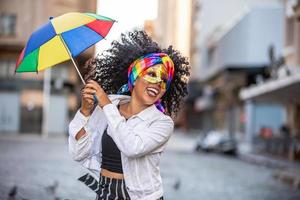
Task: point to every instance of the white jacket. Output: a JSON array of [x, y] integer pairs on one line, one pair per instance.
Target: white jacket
[[141, 140]]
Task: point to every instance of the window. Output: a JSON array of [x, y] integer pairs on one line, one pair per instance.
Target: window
[[210, 56], [7, 69], [7, 25], [60, 72], [290, 31]]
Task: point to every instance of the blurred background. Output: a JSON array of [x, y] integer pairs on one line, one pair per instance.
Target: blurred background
[[237, 135]]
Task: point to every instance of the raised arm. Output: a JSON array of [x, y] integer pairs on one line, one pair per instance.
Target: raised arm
[[83, 133], [84, 128]]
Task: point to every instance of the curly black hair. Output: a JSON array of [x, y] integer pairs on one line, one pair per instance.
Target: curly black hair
[[110, 68]]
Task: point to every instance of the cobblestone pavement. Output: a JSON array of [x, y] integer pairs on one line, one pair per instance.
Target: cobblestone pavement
[[42, 169]]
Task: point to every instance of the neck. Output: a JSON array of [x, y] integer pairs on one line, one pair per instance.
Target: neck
[[135, 106]]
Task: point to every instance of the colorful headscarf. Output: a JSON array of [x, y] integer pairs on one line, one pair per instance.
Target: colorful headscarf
[[143, 63]]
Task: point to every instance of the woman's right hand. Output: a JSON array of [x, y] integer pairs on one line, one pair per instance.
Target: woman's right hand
[[87, 104]]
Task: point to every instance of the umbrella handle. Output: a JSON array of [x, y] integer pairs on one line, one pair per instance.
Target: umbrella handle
[[96, 101]]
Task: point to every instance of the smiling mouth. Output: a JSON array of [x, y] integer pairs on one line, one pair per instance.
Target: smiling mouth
[[153, 92]]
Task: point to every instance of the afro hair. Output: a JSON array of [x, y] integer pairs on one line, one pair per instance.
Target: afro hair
[[110, 68]]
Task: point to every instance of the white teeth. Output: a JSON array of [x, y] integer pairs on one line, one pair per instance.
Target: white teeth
[[155, 91]]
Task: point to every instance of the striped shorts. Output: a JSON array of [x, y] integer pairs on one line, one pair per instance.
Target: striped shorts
[[110, 188], [107, 188]]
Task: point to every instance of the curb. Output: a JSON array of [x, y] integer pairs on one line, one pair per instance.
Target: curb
[[286, 171]]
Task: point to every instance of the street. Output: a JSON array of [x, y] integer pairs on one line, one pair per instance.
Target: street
[[42, 169]]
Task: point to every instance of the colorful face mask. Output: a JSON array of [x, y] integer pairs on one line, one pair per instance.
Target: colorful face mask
[[142, 64], [156, 74]]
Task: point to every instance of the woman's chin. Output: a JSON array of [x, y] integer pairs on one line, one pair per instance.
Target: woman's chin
[[149, 100]]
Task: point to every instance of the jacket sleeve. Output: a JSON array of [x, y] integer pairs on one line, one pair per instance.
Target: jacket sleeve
[[134, 143], [88, 145]]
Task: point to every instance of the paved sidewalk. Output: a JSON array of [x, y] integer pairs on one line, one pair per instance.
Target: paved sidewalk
[[195, 175], [286, 171], [182, 142], [42, 169], [39, 169]]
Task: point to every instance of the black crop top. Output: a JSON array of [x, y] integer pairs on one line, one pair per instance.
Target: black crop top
[[111, 156]]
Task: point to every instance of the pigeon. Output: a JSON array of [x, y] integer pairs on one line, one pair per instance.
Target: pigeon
[[176, 185], [52, 188], [13, 191]]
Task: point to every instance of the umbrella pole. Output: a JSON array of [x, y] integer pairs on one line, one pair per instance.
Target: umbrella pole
[[77, 70], [95, 97], [72, 59]]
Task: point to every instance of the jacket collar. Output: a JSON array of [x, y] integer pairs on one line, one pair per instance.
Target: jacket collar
[[150, 112]]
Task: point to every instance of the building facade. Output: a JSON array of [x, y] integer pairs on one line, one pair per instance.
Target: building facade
[[283, 86], [21, 95], [174, 26]]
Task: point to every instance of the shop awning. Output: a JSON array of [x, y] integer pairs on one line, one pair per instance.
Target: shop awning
[[283, 90]]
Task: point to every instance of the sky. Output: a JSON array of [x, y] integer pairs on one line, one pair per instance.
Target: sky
[[130, 14]]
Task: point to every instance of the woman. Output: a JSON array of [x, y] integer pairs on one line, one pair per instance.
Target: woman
[[139, 87]]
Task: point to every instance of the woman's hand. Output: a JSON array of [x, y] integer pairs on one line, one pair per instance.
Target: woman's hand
[[93, 88], [87, 104]]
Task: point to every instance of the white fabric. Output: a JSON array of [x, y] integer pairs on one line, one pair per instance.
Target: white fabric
[[141, 140]]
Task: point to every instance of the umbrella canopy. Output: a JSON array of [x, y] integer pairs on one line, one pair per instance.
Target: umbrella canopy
[[61, 39]]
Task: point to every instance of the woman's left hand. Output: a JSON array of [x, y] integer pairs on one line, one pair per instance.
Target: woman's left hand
[[98, 92]]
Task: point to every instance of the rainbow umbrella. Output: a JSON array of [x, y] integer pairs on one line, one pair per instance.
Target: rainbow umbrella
[[61, 39]]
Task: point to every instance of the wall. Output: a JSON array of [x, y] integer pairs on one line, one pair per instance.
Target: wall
[[248, 42], [9, 112]]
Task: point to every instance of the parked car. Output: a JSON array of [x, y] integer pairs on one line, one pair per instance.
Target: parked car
[[215, 141]]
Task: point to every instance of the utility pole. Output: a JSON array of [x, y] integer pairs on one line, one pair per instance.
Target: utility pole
[[46, 101]]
